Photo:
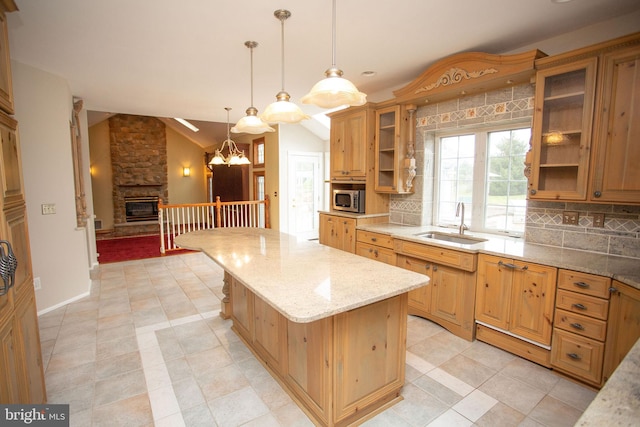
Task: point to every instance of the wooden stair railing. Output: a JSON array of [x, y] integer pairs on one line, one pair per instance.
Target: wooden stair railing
[[182, 218]]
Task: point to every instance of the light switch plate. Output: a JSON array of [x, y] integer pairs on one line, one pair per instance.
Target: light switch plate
[[48, 208], [570, 217], [598, 220]]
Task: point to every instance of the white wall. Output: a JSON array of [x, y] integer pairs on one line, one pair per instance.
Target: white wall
[[293, 138], [60, 252]]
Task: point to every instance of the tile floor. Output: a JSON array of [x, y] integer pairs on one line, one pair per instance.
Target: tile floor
[[149, 348]]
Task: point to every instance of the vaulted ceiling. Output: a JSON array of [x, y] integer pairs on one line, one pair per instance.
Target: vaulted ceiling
[[169, 58]]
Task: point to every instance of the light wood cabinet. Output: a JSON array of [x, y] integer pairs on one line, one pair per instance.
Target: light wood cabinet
[[393, 129], [340, 369], [349, 135], [582, 309], [623, 328], [22, 378], [615, 172], [585, 125], [562, 130], [449, 297], [338, 232], [376, 246], [517, 299]]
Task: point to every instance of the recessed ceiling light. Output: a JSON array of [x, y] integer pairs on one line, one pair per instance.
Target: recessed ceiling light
[[368, 73]]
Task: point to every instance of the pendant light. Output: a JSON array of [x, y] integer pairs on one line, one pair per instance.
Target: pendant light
[[251, 123], [334, 91], [283, 110], [235, 157]]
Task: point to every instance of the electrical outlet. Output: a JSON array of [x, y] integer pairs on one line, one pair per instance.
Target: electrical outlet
[[48, 208], [598, 220], [570, 217], [36, 283]]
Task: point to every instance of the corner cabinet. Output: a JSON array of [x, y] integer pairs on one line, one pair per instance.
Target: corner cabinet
[[339, 230], [394, 128], [562, 131], [585, 125], [615, 172]]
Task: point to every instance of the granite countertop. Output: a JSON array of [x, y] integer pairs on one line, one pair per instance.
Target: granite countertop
[[303, 280], [618, 403], [626, 270]]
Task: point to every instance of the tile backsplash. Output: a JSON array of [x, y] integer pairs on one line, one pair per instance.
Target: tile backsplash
[[619, 236]]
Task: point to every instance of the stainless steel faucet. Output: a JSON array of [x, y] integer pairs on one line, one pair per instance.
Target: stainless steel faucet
[[460, 213]]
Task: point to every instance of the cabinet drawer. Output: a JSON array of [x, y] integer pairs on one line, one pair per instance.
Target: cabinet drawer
[[377, 253], [588, 284], [577, 355], [582, 304], [452, 258], [375, 239], [414, 264], [581, 325]]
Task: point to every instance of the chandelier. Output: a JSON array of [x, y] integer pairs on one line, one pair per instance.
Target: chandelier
[[235, 157]]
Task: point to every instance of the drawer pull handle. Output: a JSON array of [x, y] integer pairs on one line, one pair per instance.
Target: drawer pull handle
[[374, 239], [512, 266], [579, 306], [574, 356], [577, 326], [581, 285]]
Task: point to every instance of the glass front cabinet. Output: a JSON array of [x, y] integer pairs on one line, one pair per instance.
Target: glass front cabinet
[[562, 126]]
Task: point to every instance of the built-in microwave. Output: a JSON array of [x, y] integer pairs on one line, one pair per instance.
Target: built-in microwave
[[348, 200]]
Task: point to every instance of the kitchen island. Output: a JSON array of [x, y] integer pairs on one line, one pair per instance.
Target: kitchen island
[[330, 326]]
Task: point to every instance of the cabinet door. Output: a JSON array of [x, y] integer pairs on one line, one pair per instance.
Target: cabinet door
[[420, 298], [347, 233], [493, 291], [270, 334], [616, 176], [623, 328], [450, 293], [9, 392], [32, 389], [6, 87], [532, 301], [562, 125], [242, 309], [387, 139], [338, 148], [355, 136]]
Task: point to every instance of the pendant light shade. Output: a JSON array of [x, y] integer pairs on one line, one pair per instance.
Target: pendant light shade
[[251, 123], [283, 110], [334, 91], [235, 157]]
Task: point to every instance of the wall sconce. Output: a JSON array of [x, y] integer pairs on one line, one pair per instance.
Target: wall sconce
[[186, 171]]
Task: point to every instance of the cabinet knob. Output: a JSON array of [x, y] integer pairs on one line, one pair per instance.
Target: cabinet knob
[[597, 194], [435, 268], [612, 289], [532, 191]]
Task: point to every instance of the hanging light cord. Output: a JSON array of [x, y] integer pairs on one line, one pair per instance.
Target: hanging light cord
[[333, 28], [282, 18], [251, 50]]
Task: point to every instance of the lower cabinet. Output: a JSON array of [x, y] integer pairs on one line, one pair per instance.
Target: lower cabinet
[[339, 230], [376, 246], [515, 305], [340, 368], [623, 328], [449, 297]]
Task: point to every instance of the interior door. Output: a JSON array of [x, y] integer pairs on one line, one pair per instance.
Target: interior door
[[305, 184]]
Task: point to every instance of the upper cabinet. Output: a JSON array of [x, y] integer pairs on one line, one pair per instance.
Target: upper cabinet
[[394, 159], [350, 135], [587, 124], [615, 172], [562, 130]]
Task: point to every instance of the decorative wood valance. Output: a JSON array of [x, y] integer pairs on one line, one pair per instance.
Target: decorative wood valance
[[468, 73]]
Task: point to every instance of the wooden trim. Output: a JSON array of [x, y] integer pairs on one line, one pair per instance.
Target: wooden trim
[[468, 73]]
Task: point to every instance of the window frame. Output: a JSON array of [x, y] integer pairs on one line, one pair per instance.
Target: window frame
[[480, 174], [257, 143]]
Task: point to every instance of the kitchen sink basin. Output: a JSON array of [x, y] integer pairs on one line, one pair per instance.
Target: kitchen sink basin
[[450, 237]]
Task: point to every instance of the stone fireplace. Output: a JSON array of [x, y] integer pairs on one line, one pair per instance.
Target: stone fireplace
[[139, 164]]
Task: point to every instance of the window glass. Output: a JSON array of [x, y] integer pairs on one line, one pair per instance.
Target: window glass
[[492, 186]]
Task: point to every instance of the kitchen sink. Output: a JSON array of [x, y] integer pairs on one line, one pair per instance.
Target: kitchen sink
[[450, 237]]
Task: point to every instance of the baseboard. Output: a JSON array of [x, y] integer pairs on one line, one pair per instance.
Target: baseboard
[[62, 304]]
